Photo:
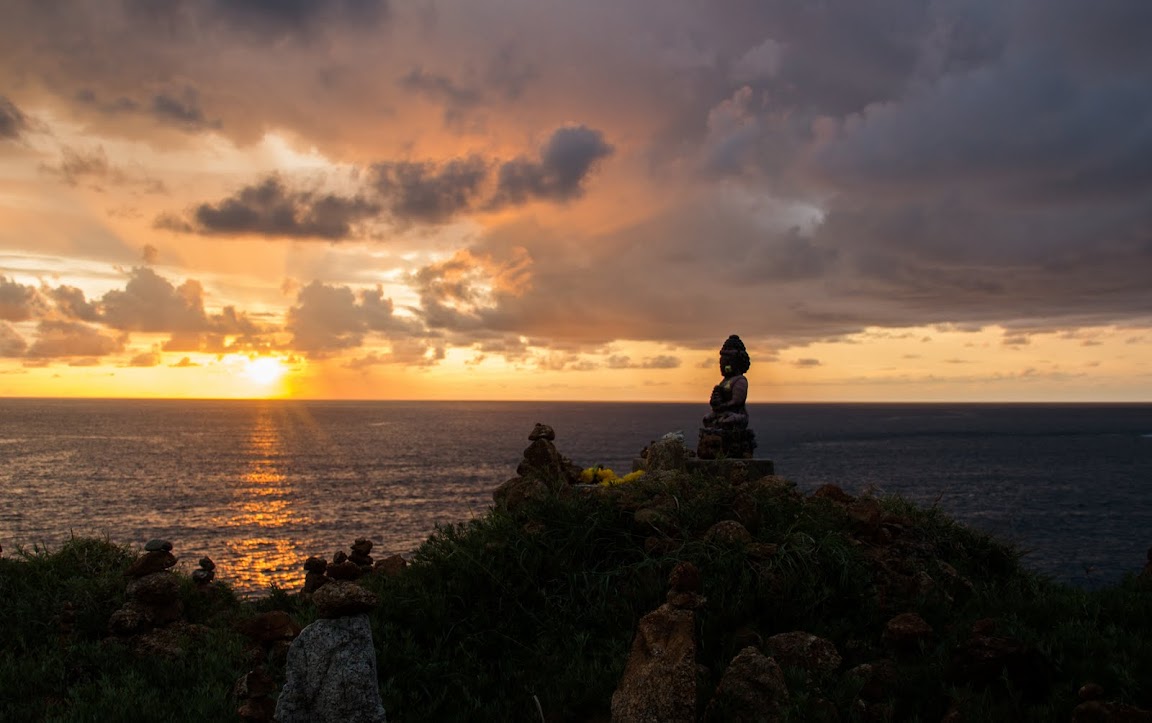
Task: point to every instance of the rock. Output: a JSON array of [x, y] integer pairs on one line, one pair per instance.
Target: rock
[[170, 642], [339, 557], [906, 631], [1092, 711], [338, 598], [313, 581], [1090, 691], [347, 570], [685, 577], [752, 689], [330, 674], [316, 564], [985, 660], [833, 493], [542, 431], [668, 454], [657, 518], [728, 533], [150, 562], [865, 513], [257, 709], [254, 684], [362, 546], [877, 679], [267, 628], [391, 566], [159, 588], [168, 613], [158, 545], [359, 559], [542, 462], [206, 563], [803, 650], [130, 619], [659, 680], [203, 577], [516, 492]]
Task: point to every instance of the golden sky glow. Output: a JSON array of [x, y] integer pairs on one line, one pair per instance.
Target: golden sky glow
[[573, 201]]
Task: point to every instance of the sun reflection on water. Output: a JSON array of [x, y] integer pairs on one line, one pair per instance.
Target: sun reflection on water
[[262, 513]]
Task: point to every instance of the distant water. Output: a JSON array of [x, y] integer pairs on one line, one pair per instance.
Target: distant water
[[260, 485]]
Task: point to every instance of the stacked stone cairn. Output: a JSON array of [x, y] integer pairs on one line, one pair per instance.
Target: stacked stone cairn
[[153, 593], [205, 574], [543, 471], [330, 670], [349, 566]]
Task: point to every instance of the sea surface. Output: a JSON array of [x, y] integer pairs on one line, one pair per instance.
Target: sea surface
[[260, 485]]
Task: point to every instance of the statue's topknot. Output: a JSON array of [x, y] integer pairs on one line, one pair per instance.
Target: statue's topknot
[[735, 355]]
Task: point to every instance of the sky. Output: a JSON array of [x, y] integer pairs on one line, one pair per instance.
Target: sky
[[888, 200]]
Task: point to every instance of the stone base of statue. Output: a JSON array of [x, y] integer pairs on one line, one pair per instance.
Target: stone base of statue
[[726, 443]]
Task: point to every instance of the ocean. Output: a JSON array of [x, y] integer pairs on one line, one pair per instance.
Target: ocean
[[258, 486]]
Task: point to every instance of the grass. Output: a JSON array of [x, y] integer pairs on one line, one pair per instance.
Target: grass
[[534, 610]]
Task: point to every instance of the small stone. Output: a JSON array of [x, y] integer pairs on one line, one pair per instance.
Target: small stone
[[362, 546], [542, 431], [1090, 691], [203, 577], [159, 588], [358, 559], [130, 619], [316, 564], [206, 563], [339, 557], [269, 627], [391, 566], [728, 533], [685, 577], [313, 581], [803, 650], [346, 570], [338, 599], [157, 545], [907, 630], [150, 562]]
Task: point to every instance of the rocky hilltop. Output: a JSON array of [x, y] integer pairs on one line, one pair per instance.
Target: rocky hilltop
[[679, 592]]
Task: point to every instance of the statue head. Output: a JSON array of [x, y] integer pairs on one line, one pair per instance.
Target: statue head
[[734, 357]]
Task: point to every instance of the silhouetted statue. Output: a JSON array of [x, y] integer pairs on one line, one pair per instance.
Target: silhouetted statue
[[725, 432]]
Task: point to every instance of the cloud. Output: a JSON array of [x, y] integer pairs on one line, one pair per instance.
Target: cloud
[[807, 363], [427, 192], [150, 303], [181, 110], [11, 343], [456, 99], [184, 363], [270, 208], [17, 301], [331, 318], [71, 303], [13, 122], [72, 339], [558, 175], [146, 359], [660, 361]]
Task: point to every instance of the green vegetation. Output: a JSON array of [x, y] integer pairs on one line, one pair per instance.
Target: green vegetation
[[538, 607]]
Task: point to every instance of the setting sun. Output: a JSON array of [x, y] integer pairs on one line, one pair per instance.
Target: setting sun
[[265, 370]]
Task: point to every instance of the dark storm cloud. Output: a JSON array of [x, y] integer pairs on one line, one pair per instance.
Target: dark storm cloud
[[558, 174], [427, 192], [71, 303], [267, 20], [270, 208], [13, 122], [457, 100]]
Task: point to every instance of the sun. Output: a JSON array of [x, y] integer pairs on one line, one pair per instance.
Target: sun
[[265, 370]]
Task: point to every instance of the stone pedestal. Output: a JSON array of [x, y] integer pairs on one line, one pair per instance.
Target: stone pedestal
[[726, 443]]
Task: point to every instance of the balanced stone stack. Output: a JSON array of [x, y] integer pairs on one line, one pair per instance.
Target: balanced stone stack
[[543, 471], [153, 592], [205, 574], [348, 567]]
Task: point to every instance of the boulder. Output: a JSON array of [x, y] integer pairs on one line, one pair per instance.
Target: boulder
[[130, 619], [728, 533], [159, 588], [330, 674], [799, 649], [659, 680], [513, 494], [267, 628], [158, 545], [347, 570], [339, 598], [751, 690], [668, 454], [542, 431], [391, 566], [542, 462], [906, 631]]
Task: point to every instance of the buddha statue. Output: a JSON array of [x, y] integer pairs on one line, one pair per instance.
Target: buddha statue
[[725, 432]]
